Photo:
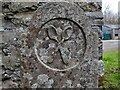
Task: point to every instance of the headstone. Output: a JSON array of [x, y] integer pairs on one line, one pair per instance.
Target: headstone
[[61, 49]]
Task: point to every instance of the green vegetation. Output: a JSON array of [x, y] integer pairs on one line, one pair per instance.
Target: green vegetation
[[112, 69]]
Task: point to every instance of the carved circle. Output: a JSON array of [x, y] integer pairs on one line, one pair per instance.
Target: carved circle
[[60, 44]]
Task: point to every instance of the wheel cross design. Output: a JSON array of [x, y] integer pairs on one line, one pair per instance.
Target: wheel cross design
[[60, 45]]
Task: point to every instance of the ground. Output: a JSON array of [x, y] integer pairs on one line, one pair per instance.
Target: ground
[[111, 70], [111, 53]]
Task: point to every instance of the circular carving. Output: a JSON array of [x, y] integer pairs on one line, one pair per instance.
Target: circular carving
[[60, 44]]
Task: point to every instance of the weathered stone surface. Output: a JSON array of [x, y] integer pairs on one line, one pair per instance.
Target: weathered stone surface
[[101, 67], [9, 84], [61, 40], [11, 71], [90, 6], [95, 15], [43, 81], [97, 22], [68, 30]]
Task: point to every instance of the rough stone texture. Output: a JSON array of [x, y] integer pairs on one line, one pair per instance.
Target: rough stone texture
[[63, 69], [10, 46], [43, 81], [62, 43], [95, 15], [61, 38]]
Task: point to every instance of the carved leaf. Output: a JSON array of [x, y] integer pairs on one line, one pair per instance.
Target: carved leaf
[[64, 55], [52, 32], [67, 32]]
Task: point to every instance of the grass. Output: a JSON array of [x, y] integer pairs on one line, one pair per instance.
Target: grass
[[112, 69]]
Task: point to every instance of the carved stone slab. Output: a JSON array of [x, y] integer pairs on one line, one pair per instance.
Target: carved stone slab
[[60, 44], [63, 48]]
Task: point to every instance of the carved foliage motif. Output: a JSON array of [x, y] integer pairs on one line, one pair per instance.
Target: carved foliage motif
[[60, 44]]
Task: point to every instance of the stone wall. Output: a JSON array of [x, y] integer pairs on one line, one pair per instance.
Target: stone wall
[[20, 65]]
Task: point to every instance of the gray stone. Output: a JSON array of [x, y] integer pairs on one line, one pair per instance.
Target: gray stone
[[8, 72], [28, 76], [63, 41], [61, 35], [41, 79], [10, 84], [68, 84], [79, 86], [34, 86], [15, 78], [97, 22], [101, 68], [17, 73], [49, 84], [94, 15], [5, 77], [67, 38]]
